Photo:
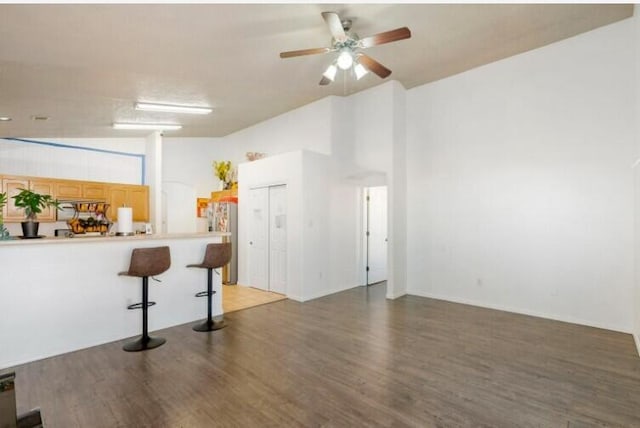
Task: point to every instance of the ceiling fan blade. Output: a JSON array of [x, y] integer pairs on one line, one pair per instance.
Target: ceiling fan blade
[[335, 25], [324, 81], [386, 37], [374, 66], [302, 52]]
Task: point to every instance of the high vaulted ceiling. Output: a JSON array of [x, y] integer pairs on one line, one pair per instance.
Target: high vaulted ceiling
[[84, 66]]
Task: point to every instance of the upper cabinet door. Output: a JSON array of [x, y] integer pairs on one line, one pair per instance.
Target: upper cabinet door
[[12, 187], [44, 188], [68, 190], [136, 197], [95, 191], [139, 202], [116, 198]]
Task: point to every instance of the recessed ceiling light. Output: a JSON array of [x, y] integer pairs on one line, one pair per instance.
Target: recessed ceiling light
[[147, 126], [5, 118], [171, 108], [42, 118]]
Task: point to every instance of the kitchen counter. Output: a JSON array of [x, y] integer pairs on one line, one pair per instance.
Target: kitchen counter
[[108, 238], [62, 294]]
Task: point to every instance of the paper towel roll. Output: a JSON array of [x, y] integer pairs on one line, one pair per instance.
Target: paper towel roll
[[125, 221]]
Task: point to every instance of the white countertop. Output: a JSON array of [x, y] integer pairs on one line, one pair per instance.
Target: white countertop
[[109, 238]]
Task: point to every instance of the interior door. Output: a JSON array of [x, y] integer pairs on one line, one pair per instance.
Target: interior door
[[278, 239], [258, 238], [377, 234]]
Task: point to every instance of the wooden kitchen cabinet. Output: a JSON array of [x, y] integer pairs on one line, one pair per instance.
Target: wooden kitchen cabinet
[[136, 197], [12, 187], [117, 195], [79, 190]]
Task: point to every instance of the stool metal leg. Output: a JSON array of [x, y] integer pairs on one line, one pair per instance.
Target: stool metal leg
[[144, 342], [209, 324]]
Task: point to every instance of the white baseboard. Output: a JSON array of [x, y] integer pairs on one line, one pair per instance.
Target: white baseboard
[[395, 295], [324, 293], [521, 311]]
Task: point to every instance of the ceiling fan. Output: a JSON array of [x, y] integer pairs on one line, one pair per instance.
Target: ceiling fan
[[348, 45]]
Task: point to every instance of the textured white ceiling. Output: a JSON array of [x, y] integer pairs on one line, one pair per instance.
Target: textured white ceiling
[[85, 65]]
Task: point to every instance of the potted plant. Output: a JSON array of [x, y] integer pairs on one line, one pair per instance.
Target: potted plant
[[33, 203], [4, 233], [224, 172]]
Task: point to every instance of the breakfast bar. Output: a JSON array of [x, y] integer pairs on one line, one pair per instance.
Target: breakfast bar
[[63, 294]]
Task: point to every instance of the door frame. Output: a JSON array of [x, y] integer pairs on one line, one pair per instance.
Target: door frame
[[365, 233]]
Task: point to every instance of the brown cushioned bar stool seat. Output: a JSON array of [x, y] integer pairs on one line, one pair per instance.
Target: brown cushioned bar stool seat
[[215, 256], [146, 262]]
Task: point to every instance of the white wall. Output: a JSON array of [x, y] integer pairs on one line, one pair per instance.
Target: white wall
[[636, 301], [397, 200], [187, 174], [520, 191], [188, 161], [66, 158], [321, 233], [306, 128], [377, 118]]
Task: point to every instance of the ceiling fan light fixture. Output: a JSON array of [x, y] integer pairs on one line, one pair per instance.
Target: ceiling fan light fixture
[[172, 108], [330, 72], [345, 59], [360, 71], [146, 126]]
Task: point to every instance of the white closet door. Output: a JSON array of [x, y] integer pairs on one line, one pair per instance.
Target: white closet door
[[259, 238], [377, 234], [278, 239]]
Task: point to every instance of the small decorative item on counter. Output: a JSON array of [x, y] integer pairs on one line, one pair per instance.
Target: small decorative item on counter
[[224, 172], [251, 156], [33, 203], [96, 222]]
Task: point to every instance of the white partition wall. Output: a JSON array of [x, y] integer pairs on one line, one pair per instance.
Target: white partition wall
[[520, 182], [321, 223], [73, 297]]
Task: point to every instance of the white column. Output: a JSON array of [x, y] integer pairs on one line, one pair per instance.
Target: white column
[[153, 178]]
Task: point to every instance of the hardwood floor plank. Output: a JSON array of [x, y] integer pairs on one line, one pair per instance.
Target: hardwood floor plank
[[350, 359]]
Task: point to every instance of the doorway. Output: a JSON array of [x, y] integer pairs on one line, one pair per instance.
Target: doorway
[[268, 238], [375, 234]]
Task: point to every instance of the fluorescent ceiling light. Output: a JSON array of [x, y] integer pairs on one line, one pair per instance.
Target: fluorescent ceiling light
[[147, 126], [5, 118], [330, 73], [173, 108]]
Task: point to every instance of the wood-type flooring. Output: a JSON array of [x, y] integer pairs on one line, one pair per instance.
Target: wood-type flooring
[[351, 359], [238, 297]]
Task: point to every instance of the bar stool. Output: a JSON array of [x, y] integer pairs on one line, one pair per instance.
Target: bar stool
[[215, 256], [145, 263]]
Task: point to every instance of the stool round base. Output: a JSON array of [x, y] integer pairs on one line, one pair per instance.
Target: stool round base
[[141, 344], [209, 325]]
